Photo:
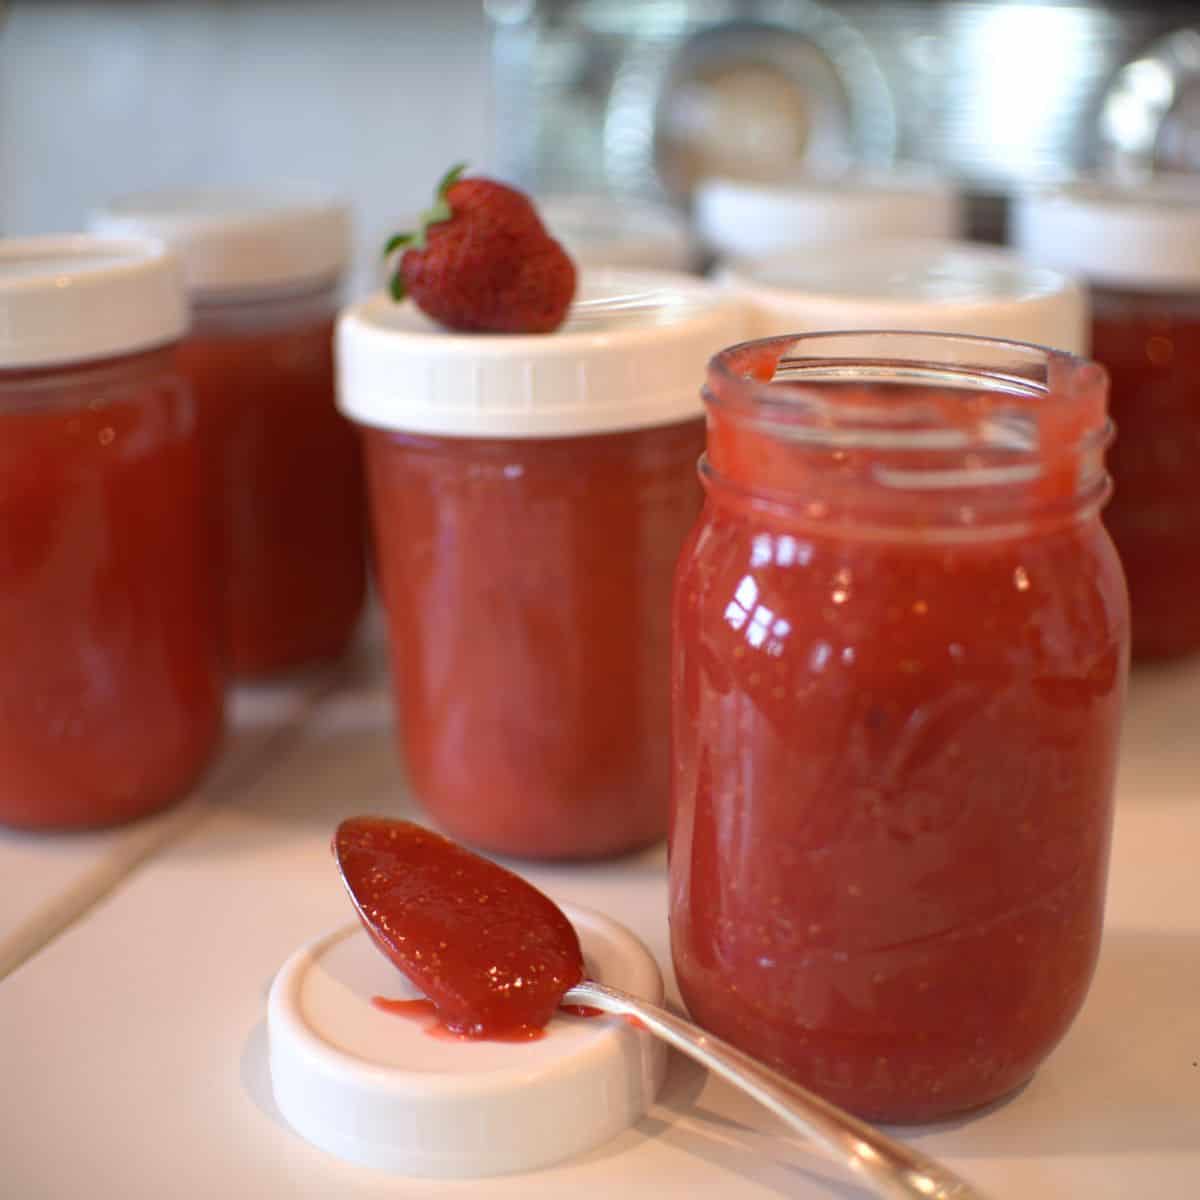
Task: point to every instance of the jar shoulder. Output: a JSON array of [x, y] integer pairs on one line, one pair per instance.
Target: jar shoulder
[[1053, 597]]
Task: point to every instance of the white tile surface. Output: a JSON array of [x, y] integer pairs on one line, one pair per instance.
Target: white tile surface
[[140, 1029]]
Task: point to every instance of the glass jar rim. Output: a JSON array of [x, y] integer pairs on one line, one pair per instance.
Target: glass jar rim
[[1081, 373], [1028, 437]]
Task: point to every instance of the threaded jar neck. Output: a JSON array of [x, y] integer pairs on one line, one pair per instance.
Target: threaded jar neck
[[909, 435]]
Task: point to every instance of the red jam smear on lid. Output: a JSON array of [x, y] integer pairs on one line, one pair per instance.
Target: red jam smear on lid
[[492, 953]]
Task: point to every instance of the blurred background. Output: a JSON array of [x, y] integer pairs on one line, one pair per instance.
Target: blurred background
[[373, 98], [376, 97]]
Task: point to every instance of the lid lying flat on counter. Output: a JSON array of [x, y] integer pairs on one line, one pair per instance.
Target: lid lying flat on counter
[[741, 217], [1137, 234], [611, 231], [239, 240], [74, 298], [919, 285], [375, 1088], [631, 355]]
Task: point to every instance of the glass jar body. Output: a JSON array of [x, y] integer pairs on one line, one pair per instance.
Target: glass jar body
[[111, 695], [284, 474], [1150, 345], [527, 584], [900, 651]]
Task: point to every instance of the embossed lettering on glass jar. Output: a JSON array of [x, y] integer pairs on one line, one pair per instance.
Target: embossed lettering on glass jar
[[901, 641], [110, 691]]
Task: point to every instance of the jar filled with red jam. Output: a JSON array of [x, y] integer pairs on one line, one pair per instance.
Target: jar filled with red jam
[[901, 642], [111, 689], [529, 497], [283, 468], [1139, 245]]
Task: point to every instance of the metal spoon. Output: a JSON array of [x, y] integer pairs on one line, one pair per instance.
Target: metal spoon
[[888, 1167]]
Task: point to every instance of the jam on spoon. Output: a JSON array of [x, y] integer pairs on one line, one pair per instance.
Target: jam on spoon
[[496, 957], [492, 954]]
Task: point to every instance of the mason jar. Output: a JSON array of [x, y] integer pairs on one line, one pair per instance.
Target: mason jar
[[283, 470], [900, 651], [529, 498], [111, 687]]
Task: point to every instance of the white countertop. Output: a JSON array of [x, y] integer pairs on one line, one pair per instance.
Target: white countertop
[[132, 1044]]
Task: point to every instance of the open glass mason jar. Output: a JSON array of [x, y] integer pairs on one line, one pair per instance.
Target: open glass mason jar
[[900, 650]]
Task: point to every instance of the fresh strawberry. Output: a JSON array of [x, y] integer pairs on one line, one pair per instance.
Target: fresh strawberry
[[482, 262]]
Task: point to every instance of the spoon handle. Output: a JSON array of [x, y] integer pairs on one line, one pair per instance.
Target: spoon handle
[[890, 1168]]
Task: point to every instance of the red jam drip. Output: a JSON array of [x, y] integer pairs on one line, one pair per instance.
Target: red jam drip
[[492, 953], [416, 1009], [425, 1012], [582, 1010]]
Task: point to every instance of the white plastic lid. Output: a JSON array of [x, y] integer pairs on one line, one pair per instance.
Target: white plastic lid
[[374, 1088], [73, 298], [920, 285], [741, 218], [239, 240], [604, 231], [632, 354], [1137, 235]]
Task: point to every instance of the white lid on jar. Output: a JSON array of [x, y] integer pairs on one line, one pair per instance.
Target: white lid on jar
[[742, 217], [918, 285], [1138, 235], [631, 354], [373, 1087], [238, 241], [608, 231], [72, 298]]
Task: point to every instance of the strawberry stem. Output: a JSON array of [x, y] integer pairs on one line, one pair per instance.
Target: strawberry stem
[[441, 206], [440, 211]]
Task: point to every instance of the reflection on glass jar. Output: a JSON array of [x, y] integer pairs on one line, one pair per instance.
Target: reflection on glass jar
[[901, 638]]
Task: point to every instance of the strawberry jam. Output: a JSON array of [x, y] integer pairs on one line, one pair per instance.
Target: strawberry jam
[[528, 595], [282, 468], [285, 480], [1150, 345], [900, 651], [1137, 242], [110, 696], [492, 953]]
